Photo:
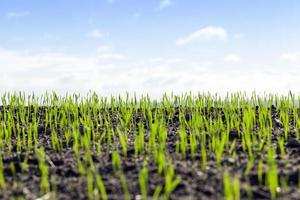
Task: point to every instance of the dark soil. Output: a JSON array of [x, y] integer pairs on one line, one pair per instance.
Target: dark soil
[[195, 183]]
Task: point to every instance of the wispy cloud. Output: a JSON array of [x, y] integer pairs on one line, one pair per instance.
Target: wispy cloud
[[164, 4], [137, 14], [97, 34], [232, 58], [290, 57], [208, 33], [17, 14]]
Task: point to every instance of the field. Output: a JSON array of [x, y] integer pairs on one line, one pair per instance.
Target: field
[[177, 147]]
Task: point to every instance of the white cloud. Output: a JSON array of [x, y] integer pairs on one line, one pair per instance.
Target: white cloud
[[166, 60], [104, 49], [239, 36], [205, 34], [290, 57], [41, 71], [17, 14], [107, 52], [164, 4], [34, 71], [232, 58], [97, 34], [111, 56]]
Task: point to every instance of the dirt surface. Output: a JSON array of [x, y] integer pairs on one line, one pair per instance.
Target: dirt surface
[[195, 184]]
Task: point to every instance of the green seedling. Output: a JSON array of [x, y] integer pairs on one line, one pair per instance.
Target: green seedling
[[90, 185], [171, 182], [204, 158], [143, 179], [2, 179], [260, 171], [272, 174], [157, 192], [45, 186], [124, 186], [281, 146], [101, 187], [116, 161], [139, 141], [231, 187], [123, 141]]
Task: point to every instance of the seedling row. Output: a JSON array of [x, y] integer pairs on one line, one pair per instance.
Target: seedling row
[[194, 146]]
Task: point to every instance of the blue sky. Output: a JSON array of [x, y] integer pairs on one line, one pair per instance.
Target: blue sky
[[149, 46]]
